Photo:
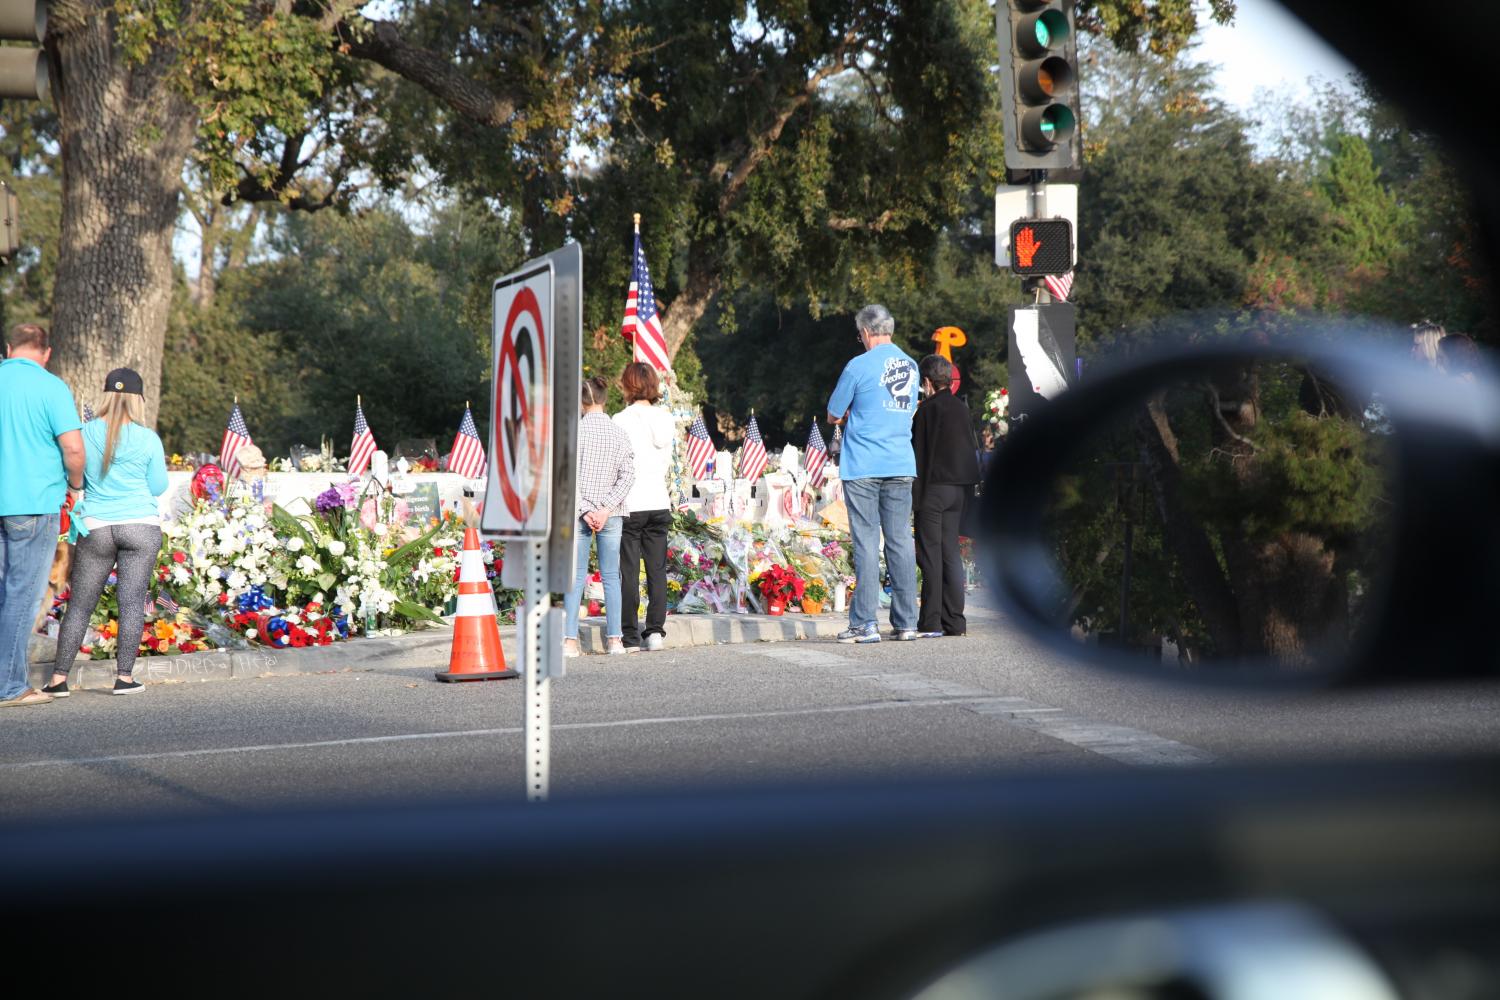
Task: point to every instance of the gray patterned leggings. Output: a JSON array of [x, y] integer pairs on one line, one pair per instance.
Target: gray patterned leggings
[[133, 547]]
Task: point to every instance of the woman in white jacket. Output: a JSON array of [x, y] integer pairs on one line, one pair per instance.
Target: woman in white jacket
[[651, 430]]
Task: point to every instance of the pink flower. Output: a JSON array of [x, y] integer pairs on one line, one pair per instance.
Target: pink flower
[[369, 515]]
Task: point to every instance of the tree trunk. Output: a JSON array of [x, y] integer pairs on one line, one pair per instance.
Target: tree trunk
[[208, 259], [1185, 534], [125, 135], [1289, 594], [690, 305]]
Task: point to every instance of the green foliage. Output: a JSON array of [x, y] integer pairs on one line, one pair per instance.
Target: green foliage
[[1164, 26], [345, 306], [28, 163], [210, 360], [251, 74], [1369, 225], [1176, 210]]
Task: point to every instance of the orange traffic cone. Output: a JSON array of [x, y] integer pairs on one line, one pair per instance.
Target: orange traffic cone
[[477, 655]]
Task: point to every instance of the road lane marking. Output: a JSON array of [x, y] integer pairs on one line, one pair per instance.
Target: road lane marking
[[875, 706], [1125, 744]]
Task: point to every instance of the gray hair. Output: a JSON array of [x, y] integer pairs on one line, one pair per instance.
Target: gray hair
[[877, 320]]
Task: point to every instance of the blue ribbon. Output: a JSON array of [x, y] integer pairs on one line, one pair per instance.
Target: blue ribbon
[[255, 599], [279, 630], [340, 622]]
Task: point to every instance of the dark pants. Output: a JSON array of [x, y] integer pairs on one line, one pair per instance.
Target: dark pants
[[132, 550], [937, 515], [644, 537]]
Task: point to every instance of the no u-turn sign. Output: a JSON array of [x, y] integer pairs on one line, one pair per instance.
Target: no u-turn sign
[[534, 400], [521, 424]]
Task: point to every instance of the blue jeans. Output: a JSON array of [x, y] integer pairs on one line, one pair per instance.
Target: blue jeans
[[609, 571], [875, 505], [27, 545]]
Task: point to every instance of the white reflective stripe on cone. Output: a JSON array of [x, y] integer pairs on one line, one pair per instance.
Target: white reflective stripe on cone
[[471, 567], [473, 605]]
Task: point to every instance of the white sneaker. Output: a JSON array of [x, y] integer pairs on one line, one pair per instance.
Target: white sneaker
[[653, 642], [617, 646], [570, 649]]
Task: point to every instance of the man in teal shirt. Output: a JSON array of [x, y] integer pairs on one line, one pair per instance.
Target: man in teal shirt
[[876, 399], [41, 461]]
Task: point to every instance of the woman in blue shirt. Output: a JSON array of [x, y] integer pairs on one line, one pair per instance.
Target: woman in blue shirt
[[125, 472]]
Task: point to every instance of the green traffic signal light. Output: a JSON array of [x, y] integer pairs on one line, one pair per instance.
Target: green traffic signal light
[[1042, 32], [1044, 128]]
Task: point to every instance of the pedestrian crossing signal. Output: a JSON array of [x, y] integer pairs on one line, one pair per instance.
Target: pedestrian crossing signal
[[1040, 247]]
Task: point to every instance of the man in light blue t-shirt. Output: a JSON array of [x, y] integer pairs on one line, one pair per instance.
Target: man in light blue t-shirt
[[875, 400], [41, 461]]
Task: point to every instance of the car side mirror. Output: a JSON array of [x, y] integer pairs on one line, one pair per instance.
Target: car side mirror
[[1314, 509]]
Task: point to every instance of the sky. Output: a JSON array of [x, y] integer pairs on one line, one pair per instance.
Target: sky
[[1266, 48]]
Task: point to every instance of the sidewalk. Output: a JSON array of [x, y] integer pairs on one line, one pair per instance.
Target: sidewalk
[[425, 650]]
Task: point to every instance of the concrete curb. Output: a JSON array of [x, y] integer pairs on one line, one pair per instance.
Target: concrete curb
[[425, 650]]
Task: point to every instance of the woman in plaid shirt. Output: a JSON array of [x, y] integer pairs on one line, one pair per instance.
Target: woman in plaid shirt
[[606, 471]]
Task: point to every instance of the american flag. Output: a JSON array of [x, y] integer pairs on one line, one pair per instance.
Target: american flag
[[363, 445], [816, 457], [753, 454], [642, 326], [1060, 286], [700, 449], [467, 458], [236, 436], [164, 602]]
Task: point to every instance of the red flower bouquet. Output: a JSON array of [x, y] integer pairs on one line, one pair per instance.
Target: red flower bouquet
[[780, 586]]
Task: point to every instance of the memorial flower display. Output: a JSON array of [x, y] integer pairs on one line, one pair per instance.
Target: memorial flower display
[[234, 571]]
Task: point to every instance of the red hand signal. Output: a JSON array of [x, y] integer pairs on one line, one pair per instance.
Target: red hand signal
[[1026, 246]]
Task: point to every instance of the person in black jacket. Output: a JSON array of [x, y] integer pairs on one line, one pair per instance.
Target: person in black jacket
[[947, 469]]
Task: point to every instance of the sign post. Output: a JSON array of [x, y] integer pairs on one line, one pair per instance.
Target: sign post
[[536, 357], [1040, 346]]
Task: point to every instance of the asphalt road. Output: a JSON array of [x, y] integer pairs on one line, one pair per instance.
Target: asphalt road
[[706, 716]]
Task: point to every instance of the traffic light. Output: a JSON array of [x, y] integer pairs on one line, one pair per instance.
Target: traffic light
[[1039, 84], [1040, 247], [23, 69]]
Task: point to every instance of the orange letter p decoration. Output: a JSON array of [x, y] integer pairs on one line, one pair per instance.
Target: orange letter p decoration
[[947, 338]]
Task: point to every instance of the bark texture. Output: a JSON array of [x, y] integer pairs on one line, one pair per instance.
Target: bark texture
[[125, 135], [689, 307]]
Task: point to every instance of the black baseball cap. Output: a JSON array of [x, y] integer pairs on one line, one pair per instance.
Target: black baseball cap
[[124, 380]]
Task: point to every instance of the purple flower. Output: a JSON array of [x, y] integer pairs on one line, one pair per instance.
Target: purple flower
[[328, 500]]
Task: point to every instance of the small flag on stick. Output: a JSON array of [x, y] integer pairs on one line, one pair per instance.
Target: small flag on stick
[[236, 436], [700, 449], [753, 459], [363, 445], [467, 458], [816, 457], [642, 325]]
